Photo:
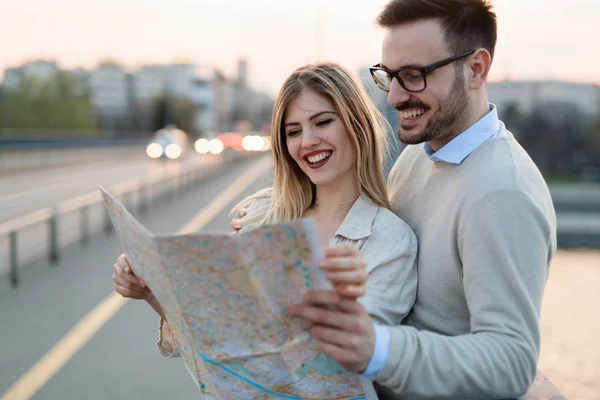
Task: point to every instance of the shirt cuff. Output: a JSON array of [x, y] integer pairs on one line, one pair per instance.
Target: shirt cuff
[[380, 352]]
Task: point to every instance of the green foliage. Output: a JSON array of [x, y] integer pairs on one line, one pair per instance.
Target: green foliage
[[62, 102], [175, 110], [593, 135]]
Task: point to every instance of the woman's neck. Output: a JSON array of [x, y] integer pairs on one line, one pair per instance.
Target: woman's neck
[[334, 201]]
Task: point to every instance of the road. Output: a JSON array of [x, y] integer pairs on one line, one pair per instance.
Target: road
[[29, 190], [121, 362]]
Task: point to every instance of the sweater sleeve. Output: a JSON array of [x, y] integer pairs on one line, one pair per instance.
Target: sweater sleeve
[[505, 241]]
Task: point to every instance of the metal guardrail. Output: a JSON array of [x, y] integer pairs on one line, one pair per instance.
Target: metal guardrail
[[140, 192], [15, 158], [72, 143]]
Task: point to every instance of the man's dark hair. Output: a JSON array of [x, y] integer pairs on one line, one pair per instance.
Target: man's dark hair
[[467, 24]]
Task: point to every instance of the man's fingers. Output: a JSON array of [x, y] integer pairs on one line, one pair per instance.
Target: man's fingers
[[330, 336], [350, 277], [334, 316], [343, 263], [341, 355], [347, 358], [352, 291], [320, 315], [332, 299], [344, 249]]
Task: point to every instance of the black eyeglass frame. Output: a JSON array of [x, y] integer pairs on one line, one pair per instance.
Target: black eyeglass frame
[[424, 71]]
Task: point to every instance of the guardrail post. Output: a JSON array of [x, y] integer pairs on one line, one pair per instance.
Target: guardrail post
[[53, 233], [14, 277], [85, 225]]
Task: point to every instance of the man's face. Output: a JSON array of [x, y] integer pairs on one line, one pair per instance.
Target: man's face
[[434, 114]]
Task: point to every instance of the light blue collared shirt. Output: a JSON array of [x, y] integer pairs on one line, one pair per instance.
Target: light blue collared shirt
[[464, 144], [454, 152]]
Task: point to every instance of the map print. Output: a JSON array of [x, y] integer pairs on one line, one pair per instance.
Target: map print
[[225, 297]]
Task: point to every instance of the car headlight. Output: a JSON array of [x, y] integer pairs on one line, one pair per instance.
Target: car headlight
[[202, 146], [154, 150], [216, 146], [173, 151]]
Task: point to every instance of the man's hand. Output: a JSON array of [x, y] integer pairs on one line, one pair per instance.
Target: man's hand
[[346, 269], [341, 326]]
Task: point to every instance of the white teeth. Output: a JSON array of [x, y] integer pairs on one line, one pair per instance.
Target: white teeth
[[413, 113], [318, 157]]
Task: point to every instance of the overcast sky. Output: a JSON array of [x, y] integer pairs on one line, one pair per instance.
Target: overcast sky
[[538, 39]]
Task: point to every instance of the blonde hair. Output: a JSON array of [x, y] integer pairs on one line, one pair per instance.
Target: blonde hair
[[293, 192]]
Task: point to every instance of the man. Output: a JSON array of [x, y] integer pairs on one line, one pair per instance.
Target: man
[[481, 211]]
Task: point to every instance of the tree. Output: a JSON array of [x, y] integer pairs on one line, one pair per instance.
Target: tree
[[513, 118], [175, 110], [61, 102], [592, 142]]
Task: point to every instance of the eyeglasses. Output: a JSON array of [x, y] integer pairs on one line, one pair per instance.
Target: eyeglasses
[[412, 79]]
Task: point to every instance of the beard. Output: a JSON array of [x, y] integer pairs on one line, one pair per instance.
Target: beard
[[444, 123]]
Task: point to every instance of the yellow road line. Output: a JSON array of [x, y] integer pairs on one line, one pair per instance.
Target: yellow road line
[[34, 379]]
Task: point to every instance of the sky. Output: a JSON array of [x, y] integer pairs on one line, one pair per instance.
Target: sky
[[538, 39]]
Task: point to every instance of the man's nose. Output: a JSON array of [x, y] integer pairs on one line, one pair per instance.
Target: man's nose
[[397, 94]]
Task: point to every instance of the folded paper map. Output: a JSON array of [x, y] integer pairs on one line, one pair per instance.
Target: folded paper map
[[225, 297]]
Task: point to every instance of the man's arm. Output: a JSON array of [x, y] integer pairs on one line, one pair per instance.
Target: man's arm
[[505, 243]]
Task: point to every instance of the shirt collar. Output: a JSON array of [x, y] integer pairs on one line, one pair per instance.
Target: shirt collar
[[465, 143], [358, 221]]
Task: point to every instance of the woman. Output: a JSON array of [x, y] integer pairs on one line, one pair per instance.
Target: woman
[[327, 140]]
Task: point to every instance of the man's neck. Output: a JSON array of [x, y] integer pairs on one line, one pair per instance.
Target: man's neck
[[471, 116]]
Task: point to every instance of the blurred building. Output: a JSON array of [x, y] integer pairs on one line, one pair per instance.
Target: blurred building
[[527, 96], [148, 82], [223, 102], [109, 85], [127, 100], [243, 104], [390, 114], [41, 70]]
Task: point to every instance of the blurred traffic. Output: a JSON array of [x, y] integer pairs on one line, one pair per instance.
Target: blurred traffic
[[172, 143]]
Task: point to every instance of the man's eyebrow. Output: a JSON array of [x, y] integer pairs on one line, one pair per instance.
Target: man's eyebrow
[[311, 117], [403, 67]]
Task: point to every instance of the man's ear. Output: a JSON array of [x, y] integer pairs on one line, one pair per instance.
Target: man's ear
[[478, 67]]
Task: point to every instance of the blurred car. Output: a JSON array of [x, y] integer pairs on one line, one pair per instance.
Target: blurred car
[[168, 143], [217, 144]]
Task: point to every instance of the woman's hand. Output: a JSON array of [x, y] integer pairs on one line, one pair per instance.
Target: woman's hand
[[236, 223], [126, 283], [346, 270]]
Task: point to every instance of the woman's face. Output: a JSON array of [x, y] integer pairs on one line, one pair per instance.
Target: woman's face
[[317, 139]]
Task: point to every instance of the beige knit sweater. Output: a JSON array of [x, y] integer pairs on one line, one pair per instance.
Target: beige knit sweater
[[486, 231]]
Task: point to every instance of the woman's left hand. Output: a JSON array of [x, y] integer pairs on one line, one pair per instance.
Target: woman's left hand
[[346, 269]]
